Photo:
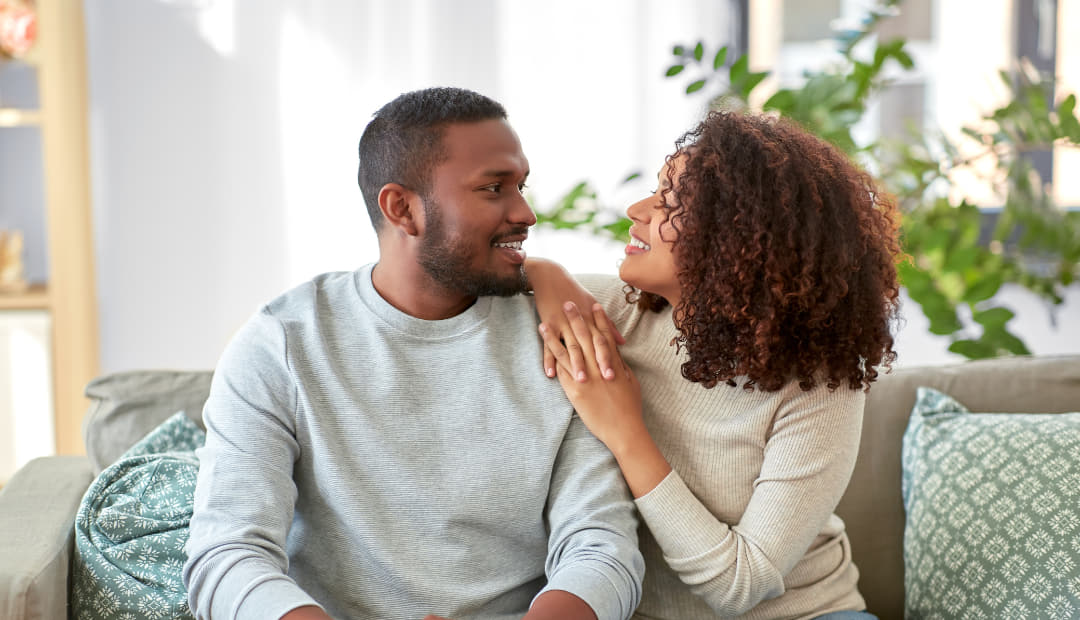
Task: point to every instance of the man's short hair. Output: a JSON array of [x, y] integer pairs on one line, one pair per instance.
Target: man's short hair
[[403, 142]]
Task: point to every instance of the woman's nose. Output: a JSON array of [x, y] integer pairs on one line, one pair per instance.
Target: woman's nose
[[639, 210]]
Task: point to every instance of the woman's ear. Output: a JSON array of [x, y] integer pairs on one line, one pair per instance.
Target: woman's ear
[[399, 207]]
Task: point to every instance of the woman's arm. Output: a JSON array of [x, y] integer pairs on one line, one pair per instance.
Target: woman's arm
[[552, 286], [611, 409], [809, 454]]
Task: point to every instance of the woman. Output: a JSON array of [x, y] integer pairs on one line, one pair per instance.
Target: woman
[[769, 261]]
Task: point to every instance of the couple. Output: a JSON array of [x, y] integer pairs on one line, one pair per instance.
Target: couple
[[385, 444]]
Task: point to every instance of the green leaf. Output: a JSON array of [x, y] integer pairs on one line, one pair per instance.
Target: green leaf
[[1067, 120], [904, 59], [782, 101], [699, 51], [678, 50], [631, 177], [738, 69], [973, 349], [993, 318], [695, 86], [752, 80], [674, 70], [984, 289], [999, 339], [720, 58]]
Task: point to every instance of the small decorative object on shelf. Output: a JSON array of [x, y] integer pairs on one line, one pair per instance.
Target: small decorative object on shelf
[[12, 279], [18, 28]]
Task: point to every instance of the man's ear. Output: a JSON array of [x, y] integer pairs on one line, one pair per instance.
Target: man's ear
[[400, 207]]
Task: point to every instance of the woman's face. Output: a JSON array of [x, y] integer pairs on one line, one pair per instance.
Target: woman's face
[[650, 259]]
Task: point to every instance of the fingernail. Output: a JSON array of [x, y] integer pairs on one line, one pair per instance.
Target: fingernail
[[568, 305], [549, 372], [581, 375], [543, 328], [609, 373]]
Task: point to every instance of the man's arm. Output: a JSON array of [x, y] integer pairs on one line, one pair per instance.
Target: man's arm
[[245, 493], [592, 547]]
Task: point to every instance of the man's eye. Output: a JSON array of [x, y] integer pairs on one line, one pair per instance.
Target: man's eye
[[522, 187], [494, 188]]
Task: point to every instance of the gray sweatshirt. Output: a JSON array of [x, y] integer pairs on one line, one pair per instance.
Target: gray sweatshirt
[[384, 466]]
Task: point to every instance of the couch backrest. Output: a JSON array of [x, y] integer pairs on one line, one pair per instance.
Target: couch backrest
[[872, 507], [125, 406]]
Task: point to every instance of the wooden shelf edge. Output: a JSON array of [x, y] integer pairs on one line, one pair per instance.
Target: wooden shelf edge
[[34, 298]]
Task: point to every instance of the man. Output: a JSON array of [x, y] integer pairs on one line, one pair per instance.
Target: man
[[382, 443]]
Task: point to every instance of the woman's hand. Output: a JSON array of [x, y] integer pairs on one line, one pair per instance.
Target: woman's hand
[[605, 406], [552, 286], [611, 409]]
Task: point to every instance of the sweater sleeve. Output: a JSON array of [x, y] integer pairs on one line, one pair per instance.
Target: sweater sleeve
[[245, 493], [592, 546], [808, 459]]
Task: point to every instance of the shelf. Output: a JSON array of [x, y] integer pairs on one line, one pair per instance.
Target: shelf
[[15, 117], [34, 298]]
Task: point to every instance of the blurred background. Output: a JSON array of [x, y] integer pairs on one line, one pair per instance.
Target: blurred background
[[195, 158]]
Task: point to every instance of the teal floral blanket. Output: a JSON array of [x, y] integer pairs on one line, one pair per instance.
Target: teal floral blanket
[[132, 526]]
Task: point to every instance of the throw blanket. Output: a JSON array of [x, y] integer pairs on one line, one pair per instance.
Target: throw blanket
[[132, 526]]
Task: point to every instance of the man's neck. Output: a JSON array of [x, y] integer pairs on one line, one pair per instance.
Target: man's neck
[[413, 292]]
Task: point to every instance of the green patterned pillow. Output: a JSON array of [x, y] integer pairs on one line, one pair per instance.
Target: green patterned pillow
[[132, 526], [993, 512]]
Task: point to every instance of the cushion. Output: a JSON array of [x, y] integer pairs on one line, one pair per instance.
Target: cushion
[[872, 507], [993, 512], [125, 406], [132, 526]]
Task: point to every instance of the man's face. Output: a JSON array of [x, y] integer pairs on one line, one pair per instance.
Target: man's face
[[475, 217]]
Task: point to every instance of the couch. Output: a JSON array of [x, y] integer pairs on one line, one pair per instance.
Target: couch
[[38, 505]]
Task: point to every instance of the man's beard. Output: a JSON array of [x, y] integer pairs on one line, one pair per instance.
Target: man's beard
[[447, 262]]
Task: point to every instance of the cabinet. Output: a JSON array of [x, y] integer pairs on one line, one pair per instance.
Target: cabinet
[[67, 293]]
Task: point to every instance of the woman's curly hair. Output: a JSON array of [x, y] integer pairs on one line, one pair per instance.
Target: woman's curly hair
[[786, 255]]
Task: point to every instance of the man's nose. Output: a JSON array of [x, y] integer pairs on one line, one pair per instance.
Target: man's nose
[[521, 212]]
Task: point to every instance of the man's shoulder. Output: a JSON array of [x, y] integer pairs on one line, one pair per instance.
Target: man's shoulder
[[600, 284], [328, 289]]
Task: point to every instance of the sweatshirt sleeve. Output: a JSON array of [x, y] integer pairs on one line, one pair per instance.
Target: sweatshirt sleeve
[[592, 546], [245, 493], [808, 459]]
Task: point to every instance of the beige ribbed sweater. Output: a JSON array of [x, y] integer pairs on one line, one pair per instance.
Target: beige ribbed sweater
[[744, 525]]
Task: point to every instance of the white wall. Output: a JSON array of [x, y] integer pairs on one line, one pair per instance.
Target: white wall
[[26, 422], [224, 135]]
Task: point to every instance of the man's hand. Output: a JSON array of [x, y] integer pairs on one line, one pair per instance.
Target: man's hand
[[559, 605], [307, 612]]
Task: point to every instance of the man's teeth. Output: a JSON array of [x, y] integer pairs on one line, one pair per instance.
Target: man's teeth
[[638, 243], [513, 245]]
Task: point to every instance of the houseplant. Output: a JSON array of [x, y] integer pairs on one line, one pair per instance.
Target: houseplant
[[957, 262]]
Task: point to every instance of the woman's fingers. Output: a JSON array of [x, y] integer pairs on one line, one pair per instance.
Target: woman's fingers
[[553, 348], [583, 334], [549, 361], [604, 342]]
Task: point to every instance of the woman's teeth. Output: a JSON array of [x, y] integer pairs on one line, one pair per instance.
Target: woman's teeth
[[638, 243]]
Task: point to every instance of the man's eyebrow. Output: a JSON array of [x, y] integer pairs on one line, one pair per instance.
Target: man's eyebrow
[[502, 173]]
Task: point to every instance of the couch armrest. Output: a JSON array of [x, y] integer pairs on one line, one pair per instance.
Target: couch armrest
[[37, 526]]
